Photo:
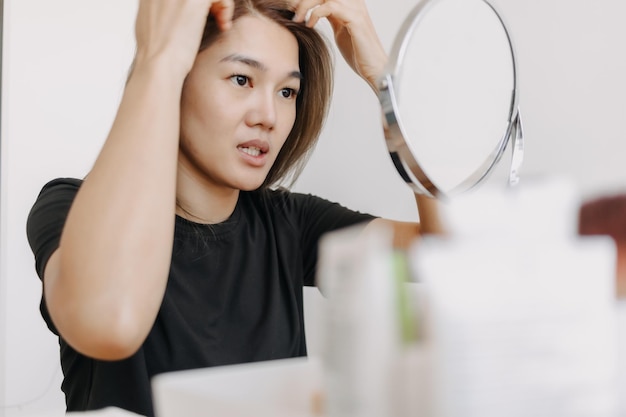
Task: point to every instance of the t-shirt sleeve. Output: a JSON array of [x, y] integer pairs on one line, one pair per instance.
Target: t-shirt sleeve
[[45, 224], [317, 216]]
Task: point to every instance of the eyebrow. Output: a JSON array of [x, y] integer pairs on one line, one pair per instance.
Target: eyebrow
[[251, 62]]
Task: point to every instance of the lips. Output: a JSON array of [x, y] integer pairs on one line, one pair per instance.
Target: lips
[[254, 147], [254, 151]]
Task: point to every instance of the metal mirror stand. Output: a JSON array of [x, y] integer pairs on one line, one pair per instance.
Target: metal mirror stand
[[401, 155]]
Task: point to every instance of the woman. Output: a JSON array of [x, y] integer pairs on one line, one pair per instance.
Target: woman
[[175, 252]]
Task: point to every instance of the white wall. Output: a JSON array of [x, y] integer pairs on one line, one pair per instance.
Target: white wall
[[64, 65], [65, 61], [572, 66]]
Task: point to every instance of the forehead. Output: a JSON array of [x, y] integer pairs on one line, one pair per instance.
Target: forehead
[[259, 38]]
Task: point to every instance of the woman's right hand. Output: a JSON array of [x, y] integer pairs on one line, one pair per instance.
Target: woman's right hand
[[171, 30], [104, 284]]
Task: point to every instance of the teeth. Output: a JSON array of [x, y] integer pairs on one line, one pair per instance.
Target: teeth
[[251, 151]]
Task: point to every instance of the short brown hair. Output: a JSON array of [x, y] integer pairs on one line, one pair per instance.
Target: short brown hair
[[316, 86]]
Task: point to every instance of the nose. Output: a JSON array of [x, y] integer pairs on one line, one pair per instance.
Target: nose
[[262, 111]]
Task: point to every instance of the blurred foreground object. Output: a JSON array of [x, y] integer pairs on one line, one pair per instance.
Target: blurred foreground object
[[520, 308], [362, 340], [607, 216]]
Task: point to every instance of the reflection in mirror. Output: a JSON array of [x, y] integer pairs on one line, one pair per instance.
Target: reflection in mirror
[[449, 97]]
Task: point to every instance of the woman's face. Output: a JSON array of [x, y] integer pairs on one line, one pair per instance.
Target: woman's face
[[239, 104]]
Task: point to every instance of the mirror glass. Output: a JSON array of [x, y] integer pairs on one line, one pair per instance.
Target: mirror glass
[[449, 96]]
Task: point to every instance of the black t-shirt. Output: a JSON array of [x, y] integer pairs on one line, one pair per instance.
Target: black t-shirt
[[234, 292]]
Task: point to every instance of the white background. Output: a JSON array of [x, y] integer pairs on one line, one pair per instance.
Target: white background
[[65, 62]]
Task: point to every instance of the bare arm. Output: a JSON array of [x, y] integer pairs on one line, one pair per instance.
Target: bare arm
[[105, 282], [360, 46], [406, 233]]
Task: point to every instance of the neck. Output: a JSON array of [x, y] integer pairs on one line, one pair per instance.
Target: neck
[[202, 202], [202, 217]]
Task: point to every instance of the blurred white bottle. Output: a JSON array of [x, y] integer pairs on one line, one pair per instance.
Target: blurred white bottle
[[362, 341]]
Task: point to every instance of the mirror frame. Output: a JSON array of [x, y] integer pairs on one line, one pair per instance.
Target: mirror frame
[[404, 160]]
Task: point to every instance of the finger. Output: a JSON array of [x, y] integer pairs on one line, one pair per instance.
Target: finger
[[223, 11], [324, 10], [338, 13], [303, 7]]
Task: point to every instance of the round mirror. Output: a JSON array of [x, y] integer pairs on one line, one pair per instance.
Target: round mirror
[[449, 97]]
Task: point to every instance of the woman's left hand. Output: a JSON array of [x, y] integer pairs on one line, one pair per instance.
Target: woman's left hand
[[354, 31]]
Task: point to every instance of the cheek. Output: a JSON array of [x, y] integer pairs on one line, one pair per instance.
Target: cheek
[[202, 98], [200, 107], [203, 116], [288, 122]]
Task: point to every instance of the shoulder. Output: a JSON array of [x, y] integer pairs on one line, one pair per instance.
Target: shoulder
[[47, 216], [309, 209], [58, 190], [52, 202], [287, 201], [59, 185]]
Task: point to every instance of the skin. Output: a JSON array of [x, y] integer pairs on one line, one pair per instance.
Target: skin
[[354, 31], [105, 283], [256, 107]]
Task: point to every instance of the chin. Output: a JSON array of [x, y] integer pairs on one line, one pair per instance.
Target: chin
[[247, 180], [250, 188], [250, 185]]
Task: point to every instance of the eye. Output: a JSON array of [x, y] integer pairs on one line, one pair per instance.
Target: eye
[[288, 93], [240, 80]]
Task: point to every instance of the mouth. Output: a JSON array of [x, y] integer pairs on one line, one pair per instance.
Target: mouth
[[254, 152], [254, 147], [251, 150]]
